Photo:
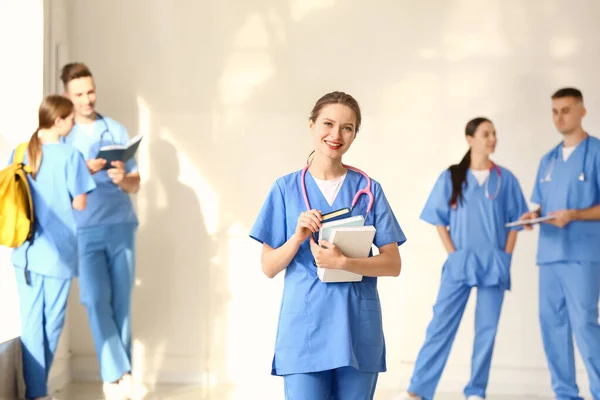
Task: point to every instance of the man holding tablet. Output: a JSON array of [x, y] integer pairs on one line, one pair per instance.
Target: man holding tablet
[[567, 188]]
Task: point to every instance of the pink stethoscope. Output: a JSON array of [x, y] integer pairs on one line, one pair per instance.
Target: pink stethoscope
[[366, 190], [487, 182]]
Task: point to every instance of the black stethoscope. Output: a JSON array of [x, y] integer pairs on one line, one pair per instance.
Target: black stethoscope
[[554, 159], [106, 130]]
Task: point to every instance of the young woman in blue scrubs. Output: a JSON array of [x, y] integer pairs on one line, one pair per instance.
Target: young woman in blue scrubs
[[59, 182], [330, 341], [568, 187], [106, 233], [470, 204]]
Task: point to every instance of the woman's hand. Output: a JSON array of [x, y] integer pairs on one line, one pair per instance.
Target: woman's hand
[[327, 255], [309, 222], [527, 216]]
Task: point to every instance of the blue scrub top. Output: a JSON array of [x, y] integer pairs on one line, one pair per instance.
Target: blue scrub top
[[580, 240], [108, 204], [324, 326], [477, 226], [62, 176]]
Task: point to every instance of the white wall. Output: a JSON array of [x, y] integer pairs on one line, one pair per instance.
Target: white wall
[[222, 91], [24, 30], [21, 83]]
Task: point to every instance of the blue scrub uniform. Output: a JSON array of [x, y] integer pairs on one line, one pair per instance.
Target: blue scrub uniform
[[478, 232], [569, 273], [330, 336], [51, 260], [106, 233]]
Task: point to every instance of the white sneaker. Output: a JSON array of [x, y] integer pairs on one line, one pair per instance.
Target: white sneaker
[[407, 396], [112, 391], [475, 398], [132, 389]]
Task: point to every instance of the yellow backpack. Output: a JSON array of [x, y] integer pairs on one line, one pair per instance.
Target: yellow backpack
[[16, 206]]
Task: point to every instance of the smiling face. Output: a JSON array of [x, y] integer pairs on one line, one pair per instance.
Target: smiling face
[[334, 130], [483, 141], [82, 92]]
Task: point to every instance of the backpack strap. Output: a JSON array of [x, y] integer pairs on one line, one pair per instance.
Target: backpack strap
[[20, 156]]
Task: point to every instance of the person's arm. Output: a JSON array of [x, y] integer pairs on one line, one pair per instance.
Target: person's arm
[[386, 263], [530, 215], [446, 239], [536, 196], [564, 217], [511, 241], [79, 181], [80, 202], [95, 165], [129, 182], [125, 175], [276, 260], [588, 214]]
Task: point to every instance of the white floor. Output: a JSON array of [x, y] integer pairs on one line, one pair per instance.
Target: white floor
[[93, 391]]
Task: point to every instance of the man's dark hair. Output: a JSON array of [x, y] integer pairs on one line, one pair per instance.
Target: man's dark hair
[[568, 92]]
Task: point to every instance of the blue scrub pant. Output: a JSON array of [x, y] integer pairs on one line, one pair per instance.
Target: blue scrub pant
[[106, 278], [338, 384], [569, 294], [43, 307], [447, 314]]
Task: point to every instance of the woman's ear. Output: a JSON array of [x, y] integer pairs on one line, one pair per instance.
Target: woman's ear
[[469, 140]]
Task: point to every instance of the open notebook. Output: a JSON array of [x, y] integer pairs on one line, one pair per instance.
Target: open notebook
[[118, 152]]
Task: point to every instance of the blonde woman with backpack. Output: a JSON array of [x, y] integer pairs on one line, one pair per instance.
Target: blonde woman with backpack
[[44, 266]]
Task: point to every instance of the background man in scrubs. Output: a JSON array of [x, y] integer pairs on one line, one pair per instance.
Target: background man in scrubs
[[106, 231], [568, 187]]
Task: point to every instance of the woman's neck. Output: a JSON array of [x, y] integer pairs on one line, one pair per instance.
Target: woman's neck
[[48, 136], [326, 168], [480, 162]]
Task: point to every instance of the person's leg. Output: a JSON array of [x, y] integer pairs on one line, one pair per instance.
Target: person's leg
[[351, 384], [432, 358], [310, 386], [556, 333], [121, 260], [56, 295], [487, 316], [581, 283], [31, 302], [96, 295]]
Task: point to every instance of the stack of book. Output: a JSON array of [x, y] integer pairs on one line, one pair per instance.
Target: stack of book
[[351, 236]]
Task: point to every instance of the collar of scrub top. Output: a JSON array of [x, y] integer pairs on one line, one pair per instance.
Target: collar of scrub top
[[554, 158], [366, 190], [494, 167]]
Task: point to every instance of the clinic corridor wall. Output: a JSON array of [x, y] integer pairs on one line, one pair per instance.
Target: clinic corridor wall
[[222, 92], [23, 85]]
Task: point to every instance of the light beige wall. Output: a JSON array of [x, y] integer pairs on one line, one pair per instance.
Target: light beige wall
[[222, 91]]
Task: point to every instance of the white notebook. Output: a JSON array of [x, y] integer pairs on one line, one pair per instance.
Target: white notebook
[[530, 221], [353, 242]]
